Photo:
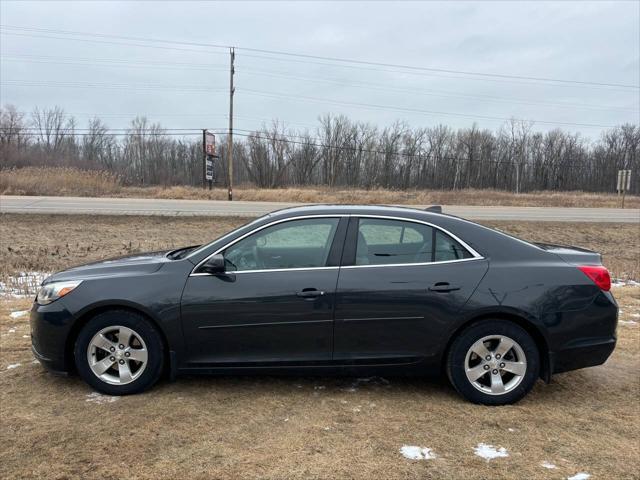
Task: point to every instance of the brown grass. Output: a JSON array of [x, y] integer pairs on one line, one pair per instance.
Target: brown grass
[[282, 428], [74, 182], [53, 242]]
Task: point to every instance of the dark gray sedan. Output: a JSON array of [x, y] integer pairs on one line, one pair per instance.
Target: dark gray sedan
[[334, 290]]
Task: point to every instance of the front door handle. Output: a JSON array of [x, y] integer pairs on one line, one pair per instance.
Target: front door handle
[[443, 287], [310, 293]]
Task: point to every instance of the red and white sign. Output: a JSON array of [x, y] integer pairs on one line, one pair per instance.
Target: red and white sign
[[209, 144]]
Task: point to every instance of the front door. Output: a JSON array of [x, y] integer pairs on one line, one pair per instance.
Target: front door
[[274, 304], [405, 281]]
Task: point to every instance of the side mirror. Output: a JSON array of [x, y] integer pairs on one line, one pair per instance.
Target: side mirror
[[215, 264]]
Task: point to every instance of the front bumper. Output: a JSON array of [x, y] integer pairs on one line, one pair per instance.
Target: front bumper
[[50, 328]]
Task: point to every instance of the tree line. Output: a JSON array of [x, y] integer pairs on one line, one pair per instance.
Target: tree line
[[339, 153]]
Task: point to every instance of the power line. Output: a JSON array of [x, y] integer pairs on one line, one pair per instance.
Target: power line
[[76, 84], [35, 83], [431, 74], [428, 92], [412, 110], [315, 79], [427, 156], [309, 142], [329, 59], [110, 62]]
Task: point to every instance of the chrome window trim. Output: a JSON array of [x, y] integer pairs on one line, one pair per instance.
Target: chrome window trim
[[446, 232], [240, 272], [256, 230], [473, 252], [422, 264]]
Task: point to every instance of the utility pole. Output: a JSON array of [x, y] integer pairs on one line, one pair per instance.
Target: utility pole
[[230, 135]]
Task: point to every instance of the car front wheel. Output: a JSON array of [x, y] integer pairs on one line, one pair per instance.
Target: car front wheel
[[493, 362], [119, 352]]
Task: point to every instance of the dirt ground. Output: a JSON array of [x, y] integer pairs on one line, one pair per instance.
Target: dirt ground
[[264, 427], [585, 421], [91, 183]]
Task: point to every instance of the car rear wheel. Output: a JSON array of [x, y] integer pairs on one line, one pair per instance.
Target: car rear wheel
[[119, 352], [493, 362]]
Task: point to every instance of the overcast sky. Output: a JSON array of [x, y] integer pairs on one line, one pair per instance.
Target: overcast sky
[[186, 86]]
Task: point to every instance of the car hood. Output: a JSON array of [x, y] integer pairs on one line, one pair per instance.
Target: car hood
[[139, 264]]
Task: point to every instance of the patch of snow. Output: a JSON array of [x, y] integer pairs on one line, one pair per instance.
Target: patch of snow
[[548, 465], [417, 453], [624, 283], [12, 330], [635, 315], [579, 476], [628, 322], [13, 365], [22, 285], [25, 336], [489, 452], [100, 399], [511, 429], [19, 314]]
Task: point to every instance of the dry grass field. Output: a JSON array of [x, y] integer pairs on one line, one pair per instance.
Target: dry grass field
[[73, 182], [46, 243], [585, 421], [279, 428]]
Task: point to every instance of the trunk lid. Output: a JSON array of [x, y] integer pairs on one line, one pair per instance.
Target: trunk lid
[[573, 255]]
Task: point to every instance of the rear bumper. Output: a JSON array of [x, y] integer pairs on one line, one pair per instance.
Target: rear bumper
[[582, 356]]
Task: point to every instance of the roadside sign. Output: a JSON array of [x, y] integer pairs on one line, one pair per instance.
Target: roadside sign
[[209, 143], [624, 181], [209, 168]]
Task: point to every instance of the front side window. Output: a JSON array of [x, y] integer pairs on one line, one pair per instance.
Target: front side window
[[387, 242], [293, 244]]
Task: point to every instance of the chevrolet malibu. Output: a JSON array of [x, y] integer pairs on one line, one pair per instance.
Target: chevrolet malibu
[[334, 290]]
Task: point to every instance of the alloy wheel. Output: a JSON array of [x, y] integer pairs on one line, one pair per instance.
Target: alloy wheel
[[495, 364], [117, 355]]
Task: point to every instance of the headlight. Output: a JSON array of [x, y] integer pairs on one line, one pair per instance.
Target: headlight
[[55, 290]]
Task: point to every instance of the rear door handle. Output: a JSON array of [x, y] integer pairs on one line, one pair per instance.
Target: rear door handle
[[443, 287], [310, 293]]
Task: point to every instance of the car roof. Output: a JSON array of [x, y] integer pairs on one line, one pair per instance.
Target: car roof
[[328, 209], [485, 240]]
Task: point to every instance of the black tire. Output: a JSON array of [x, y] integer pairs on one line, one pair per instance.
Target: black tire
[[456, 357], [142, 327]]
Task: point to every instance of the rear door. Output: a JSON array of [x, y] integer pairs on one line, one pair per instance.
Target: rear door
[[402, 282], [274, 304]]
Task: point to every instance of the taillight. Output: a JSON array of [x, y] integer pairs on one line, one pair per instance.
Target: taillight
[[599, 275]]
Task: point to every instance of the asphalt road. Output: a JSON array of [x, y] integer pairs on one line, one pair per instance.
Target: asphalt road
[[147, 206]]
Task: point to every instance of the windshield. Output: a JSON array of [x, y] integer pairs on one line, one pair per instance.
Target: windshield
[[228, 234]]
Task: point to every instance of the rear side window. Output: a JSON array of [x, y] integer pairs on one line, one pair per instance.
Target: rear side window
[[386, 242], [449, 249]]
